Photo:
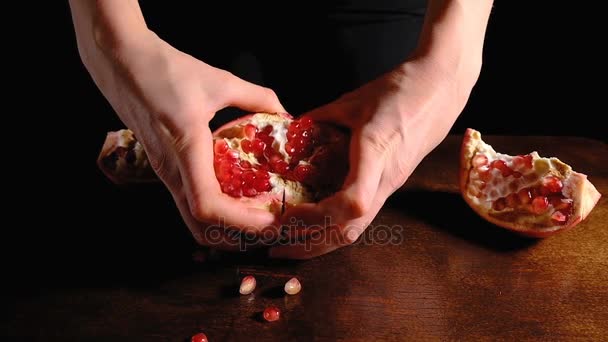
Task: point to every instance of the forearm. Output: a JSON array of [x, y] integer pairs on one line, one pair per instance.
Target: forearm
[[106, 26], [453, 36]]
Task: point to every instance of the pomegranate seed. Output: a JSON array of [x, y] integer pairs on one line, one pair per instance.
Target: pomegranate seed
[[280, 166], [301, 172], [517, 174], [236, 170], [484, 173], [290, 149], [246, 146], [249, 192], [499, 204], [224, 170], [305, 122], [480, 160], [559, 216], [247, 285], [220, 147], [267, 130], [293, 286], [245, 164], [250, 131], [200, 337], [291, 135], [272, 313], [562, 204], [512, 200], [502, 167], [262, 185], [257, 147], [262, 174], [248, 178], [540, 204], [552, 185], [525, 196]]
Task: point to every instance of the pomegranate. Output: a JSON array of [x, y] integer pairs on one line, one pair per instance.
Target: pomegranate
[[528, 194], [258, 158]]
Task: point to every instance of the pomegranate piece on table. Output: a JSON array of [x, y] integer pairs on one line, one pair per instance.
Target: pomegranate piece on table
[[528, 194], [256, 158]]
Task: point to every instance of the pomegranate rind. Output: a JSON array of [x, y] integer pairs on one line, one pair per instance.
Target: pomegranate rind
[[118, 168], [576, 187]]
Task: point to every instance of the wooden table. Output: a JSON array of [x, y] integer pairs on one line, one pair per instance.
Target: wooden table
[[451, 276]]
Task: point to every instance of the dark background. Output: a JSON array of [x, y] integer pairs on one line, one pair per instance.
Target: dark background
[[541, 75]]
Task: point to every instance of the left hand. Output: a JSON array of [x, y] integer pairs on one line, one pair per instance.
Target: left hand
[[395, 121]]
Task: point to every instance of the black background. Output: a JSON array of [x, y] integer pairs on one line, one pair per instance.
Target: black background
[[541, 75]]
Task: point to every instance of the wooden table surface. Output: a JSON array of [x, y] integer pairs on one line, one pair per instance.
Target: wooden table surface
[[445, 274]]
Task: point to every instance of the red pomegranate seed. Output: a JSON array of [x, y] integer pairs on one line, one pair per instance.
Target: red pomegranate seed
[[522, 162], [562, 204], [540, 204], [248, 178], [559, 217], [512, 201], [291, 135], [267, 130], [248, 284], [302, 172], [293, 286], [484, 173], [305, 122], [551, 185], [262, 174], [272, 313], [257, 147], [249, 192], [502, 167], [246, 146], [232, 155], [280, 166], [499, 204], [220, 147], [250, 131], [224, 170], [479, 160], [245, 164], [200, 337], [290, 149], [517, 174], [262, 185], [236, 170], [525, 196]]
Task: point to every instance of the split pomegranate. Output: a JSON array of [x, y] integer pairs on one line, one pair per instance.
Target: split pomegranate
[[272, 313], [529, 194], [257, 158]]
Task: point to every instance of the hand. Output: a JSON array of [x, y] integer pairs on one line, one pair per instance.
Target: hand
[[168, 98], [395, 121]]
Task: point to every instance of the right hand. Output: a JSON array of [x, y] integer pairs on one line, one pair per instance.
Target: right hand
[[167, 98]]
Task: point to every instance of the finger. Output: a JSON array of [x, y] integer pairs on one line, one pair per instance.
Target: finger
[[207, 202], [251, 97], [339, 112], [357, 194], [327, 240], [206, 235]]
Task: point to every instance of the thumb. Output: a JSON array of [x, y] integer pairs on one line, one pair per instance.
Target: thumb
[[252, 97]]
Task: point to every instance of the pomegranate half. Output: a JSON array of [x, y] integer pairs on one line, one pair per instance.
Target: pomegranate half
[[257, 158], [528, 194]]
